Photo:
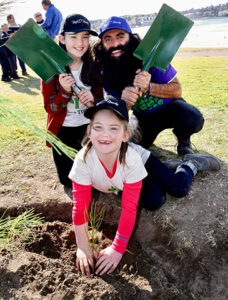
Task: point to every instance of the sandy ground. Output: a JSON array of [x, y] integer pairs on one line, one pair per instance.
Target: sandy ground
[[203, 52]]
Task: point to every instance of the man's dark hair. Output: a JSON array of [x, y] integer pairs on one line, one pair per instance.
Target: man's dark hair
[[9, 17], [118, 73], [98, 48], [46, 2]]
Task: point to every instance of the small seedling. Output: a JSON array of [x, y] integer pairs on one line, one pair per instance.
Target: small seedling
[[95, 220]]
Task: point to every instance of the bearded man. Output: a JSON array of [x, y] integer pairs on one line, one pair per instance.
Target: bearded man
[[154, 96]]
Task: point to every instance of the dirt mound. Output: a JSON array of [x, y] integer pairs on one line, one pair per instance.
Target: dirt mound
[[177, 252]]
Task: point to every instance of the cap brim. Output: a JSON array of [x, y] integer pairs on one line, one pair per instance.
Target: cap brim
[[92, 32], [92, 110], [116, 27]]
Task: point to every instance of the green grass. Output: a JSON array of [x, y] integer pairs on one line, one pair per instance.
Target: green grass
[[204, 80], [16, 231]]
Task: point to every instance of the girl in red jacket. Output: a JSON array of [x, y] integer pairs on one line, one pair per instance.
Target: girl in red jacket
[[66, 109]]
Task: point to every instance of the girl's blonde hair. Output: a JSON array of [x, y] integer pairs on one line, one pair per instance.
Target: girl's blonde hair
[[124, 146]]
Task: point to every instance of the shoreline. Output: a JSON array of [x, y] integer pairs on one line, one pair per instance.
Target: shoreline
[[202, 52]]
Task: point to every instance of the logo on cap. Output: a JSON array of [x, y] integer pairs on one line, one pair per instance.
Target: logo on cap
[[79, 21]]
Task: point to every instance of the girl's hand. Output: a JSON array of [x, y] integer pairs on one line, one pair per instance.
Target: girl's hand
[[108, 260], [84, 258], [130, 95], [85, 96], [66, 81], [142, 81]]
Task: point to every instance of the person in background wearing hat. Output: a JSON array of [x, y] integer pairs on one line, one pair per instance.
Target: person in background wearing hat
[[157, 102], [39, 18], [66, 109], [13, 27], [110, 164], [53, 19], [4, 57]]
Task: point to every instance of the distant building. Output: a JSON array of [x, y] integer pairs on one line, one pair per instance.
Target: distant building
[[223, 13]]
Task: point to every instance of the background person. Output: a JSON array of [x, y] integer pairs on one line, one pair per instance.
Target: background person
[[53, 19], [4, 59], [7, 57], [161, 106], [38, 18], [13, 27]]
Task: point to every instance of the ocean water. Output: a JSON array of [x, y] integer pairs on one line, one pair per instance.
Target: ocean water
[[207, 33]]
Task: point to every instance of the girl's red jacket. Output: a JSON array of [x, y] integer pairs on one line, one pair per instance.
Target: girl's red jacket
[[55, 102]]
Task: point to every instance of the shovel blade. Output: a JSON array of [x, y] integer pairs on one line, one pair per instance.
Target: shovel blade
[[39, 51], [168, 30]]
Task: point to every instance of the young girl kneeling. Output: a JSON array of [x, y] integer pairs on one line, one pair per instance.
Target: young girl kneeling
[[106, 163]]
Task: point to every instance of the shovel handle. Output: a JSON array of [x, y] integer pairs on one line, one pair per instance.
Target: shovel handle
[[77, 90]]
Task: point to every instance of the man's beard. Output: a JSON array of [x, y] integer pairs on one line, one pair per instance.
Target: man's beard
[[119, 72]]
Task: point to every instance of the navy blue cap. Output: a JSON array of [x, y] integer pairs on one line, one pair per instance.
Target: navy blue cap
[[76, 23], [114, 23], [115, 104]]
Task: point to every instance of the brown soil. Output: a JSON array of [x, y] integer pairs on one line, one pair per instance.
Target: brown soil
[[177, 252]]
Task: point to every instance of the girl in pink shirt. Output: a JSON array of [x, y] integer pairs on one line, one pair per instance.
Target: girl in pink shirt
[[106, 163]]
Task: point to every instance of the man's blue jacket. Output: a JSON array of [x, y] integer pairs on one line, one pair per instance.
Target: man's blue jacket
[[52, 21]]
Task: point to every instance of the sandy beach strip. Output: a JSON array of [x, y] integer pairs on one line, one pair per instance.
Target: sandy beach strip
[[202, 52]]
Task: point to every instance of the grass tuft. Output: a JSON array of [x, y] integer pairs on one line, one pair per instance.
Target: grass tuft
[[15, 231]]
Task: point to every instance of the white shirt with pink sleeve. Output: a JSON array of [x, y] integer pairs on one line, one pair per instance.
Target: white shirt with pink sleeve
[[92, 171]]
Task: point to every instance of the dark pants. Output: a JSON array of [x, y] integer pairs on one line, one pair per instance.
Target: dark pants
[[162, 180], [13, 63], [22, 65], [5, 63], [184, 118], [71, 136]]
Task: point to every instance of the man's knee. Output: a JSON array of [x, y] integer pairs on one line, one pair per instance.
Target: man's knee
[[152, 203], [191, 121], [152, 196]]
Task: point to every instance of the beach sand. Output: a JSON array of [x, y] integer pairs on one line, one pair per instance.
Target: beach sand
[[202, 52]]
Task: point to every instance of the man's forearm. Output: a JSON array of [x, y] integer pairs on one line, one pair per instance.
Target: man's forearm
[[169, 90]]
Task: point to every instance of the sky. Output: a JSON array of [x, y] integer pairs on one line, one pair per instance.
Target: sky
[[101, 9]]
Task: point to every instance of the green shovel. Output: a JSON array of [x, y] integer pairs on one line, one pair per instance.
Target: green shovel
[[40, 52], [163, 39]]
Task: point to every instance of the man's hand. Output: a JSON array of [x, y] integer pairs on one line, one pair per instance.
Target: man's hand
[[66, 81], [142, 81], [108, 260], [130, 95]]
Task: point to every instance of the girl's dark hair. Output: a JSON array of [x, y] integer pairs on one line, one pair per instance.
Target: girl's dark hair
[[123, 148], [90, 69]]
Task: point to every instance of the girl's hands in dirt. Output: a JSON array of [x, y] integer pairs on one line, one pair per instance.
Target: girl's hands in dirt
[[85, 257], [142, 81], [108, 259], [66, 81], [130, 95], [85, 96]]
